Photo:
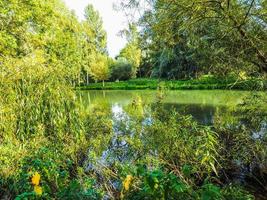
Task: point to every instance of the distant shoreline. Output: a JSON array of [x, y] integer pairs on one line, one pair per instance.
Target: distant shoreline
[[194, 84]]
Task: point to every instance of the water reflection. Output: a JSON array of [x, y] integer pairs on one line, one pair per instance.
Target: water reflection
[[206, 107], [203, 105]]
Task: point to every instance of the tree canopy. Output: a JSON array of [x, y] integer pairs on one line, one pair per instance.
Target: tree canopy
[[132, 51], [220, 36]]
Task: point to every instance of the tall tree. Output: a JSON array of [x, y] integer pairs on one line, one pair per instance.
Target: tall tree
[[48, 27], [132, 51], [95, 22]]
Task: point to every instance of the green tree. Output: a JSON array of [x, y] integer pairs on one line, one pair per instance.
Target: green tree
[[99, 68], [121, 69], [221, 36], [95, 22], [33, 25], [132, 54], [132, 51]]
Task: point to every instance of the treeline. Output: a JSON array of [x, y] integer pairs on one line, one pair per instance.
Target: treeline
[[125, 66], [185, 39], [48, 33], [177, 40]]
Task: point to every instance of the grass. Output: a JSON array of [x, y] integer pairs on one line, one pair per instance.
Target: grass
[[194, 84]]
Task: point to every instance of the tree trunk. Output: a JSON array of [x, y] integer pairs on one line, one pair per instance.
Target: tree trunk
[[87, 78], [103, 83]]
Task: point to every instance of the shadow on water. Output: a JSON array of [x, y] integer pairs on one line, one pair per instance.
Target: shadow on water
[[203, 114]]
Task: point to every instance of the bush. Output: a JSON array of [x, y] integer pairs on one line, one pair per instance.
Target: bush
[[158, 184], [121, 70]]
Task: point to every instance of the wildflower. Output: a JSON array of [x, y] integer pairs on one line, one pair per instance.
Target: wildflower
[[38, 190], [36, 179], [127, 182], [243, 75]]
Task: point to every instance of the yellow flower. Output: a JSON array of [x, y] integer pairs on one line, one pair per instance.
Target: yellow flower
[[38, 190], [243, 75], [36, 178], [127, 182]]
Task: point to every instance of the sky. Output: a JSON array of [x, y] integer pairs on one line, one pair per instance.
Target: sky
[[114, 21]]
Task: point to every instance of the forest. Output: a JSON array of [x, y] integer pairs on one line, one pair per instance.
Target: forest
[[179, 114]]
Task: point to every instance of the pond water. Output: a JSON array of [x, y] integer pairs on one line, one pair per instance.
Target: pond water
[[203, 105]]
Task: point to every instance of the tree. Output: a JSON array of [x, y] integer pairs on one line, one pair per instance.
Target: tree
[[94, 44], [99, 68], [132, 52], [121, 69], [50, 27], [95, 22], [221, 36]]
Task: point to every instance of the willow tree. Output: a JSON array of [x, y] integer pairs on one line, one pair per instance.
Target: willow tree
[[221, 35], [50, 27], [40, 55]]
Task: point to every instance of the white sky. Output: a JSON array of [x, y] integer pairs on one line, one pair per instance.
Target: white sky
[[113, 21]]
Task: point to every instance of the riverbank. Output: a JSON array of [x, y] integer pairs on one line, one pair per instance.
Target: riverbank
[[194, 84]]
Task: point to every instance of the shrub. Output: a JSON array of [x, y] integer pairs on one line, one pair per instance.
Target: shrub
[[157, 184], [121, 70]]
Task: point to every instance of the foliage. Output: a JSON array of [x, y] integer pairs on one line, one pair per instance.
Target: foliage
[[157, 184], [132, 52], [95, 22], [245, 137], [254, 106], [197, 146], [41, 131], [95, 61], [188, 38], [195, 84], [99, 68], [56, 178], [41, 124], [121, 70]]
